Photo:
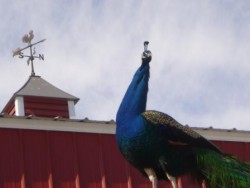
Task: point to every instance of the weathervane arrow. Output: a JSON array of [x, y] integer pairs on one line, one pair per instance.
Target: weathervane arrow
[[27, 39]]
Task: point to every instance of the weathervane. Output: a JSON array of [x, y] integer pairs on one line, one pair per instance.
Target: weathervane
[[27, 39]]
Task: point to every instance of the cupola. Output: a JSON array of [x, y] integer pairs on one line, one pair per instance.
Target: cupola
[[37, 97]]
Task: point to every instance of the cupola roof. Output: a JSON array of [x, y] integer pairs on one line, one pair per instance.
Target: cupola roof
[[38, 87]]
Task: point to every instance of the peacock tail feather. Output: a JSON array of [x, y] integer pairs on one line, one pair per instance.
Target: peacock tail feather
[[223, 171]]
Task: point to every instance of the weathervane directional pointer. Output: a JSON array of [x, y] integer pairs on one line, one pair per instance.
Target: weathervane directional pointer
[[27, 39]]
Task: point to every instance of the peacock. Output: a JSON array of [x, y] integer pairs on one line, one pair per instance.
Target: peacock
[[163, 149]]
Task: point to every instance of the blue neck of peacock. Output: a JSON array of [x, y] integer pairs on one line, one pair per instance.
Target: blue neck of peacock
[[135, 99]]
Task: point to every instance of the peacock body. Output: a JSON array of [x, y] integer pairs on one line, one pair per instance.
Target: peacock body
[[161, 148]]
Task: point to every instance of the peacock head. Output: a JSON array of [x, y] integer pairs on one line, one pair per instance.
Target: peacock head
[[146, 55]]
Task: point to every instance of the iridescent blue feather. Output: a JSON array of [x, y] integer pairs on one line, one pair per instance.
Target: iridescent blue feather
[[152, 139]]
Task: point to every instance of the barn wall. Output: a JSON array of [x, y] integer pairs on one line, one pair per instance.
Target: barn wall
[[239, 149], [52, 159]]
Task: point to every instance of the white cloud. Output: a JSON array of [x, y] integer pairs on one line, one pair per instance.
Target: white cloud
[[199, 73]]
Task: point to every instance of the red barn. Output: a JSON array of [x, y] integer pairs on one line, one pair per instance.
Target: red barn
[[41, 147]]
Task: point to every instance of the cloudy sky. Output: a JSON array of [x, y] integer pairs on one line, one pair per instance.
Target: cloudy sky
[[200, 72]]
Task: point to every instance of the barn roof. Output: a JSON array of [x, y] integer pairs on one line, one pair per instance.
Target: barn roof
[[106, 127]]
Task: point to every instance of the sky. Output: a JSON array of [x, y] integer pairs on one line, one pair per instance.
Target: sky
[[200, 71]]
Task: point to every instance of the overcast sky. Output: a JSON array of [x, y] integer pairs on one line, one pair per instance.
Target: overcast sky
[[200, 71]]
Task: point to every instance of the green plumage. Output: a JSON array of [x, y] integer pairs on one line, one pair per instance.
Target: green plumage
[[223, 171], [220, 170]]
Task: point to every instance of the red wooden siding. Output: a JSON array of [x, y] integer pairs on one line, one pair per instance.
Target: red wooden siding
[[46, 107], [51, 159], [239, 149], [11, 109], [11, 162]]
